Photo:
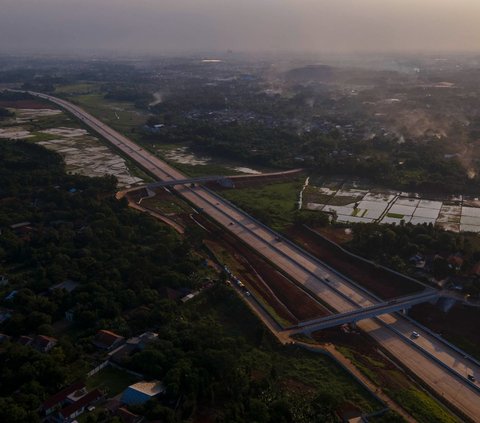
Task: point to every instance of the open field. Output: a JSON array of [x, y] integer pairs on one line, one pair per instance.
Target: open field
[[122, 116], [113, 380], [274, 204]]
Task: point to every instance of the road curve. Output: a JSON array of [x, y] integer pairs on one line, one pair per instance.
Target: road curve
[[443, 368]]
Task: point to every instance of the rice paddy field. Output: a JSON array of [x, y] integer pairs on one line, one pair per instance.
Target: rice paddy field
[[82, 152], [359, 202]]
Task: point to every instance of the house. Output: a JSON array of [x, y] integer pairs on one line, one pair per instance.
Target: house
[[169, 293], [455, 261], [23, 230], [20, 225], [136, 343], [67, 285], [3, 281], [44, 343], [60, 399], [107, 340], [5, 315], [70, 315], [25, 340], [127, 416], [73, 410], [4, 338], [11, 295], [476, 269], [141, 392]]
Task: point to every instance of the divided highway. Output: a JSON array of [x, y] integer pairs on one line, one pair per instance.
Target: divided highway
[[441, 366]]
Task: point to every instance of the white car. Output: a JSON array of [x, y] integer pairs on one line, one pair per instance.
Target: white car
[[415, 335]]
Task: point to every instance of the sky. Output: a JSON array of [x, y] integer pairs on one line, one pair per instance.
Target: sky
[[166, 26]]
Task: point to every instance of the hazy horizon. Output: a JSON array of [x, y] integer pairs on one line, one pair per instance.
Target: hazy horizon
[[163, 26]]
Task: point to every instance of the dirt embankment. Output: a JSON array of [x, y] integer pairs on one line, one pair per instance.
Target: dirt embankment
[[282, 294], [25, 104], [378, 280]]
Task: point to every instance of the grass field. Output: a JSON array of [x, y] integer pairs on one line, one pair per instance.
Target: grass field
[[274, 204], [80, 88], [114, 381]]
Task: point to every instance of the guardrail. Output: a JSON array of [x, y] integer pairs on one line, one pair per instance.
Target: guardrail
[[431, 356], [440, 338]]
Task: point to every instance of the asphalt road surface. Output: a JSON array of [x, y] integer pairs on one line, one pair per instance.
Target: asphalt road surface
[[440, 366]]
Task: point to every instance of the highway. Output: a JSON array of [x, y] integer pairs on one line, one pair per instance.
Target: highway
[[438, 364]]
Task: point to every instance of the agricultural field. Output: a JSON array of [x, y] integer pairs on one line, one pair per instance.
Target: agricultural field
[[353, 202], [83, 153]]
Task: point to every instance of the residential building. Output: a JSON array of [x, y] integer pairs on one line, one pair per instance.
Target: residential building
[[141, 392], [107, 340], [44, 343], [75, 409], [60, 399]]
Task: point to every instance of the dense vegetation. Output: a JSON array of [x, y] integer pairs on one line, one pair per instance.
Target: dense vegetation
[[5, 113], [214, 357], [393, 246], [409, 166]]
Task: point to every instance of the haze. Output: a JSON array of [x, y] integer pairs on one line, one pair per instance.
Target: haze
[[165, 26]]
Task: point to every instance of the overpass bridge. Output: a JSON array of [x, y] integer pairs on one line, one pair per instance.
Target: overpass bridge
[[353, 316], [225, 181], [229, 181]]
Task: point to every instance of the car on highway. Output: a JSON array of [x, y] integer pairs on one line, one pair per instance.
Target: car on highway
[[415, 335], [471, 378]]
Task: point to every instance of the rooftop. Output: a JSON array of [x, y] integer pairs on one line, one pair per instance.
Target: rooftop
[[82, 402], [148, 388], [61, 395]]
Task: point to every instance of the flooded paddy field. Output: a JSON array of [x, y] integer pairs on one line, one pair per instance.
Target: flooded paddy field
[[196, 163], [83, 153], [359, 202]]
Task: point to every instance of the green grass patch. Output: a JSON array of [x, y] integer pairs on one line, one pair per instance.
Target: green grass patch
[[79, 88], [343, 200], [113, 380], [419, 404], [40, 136], [274, 204], [395, 215], [204, 170], [166, 206], [311, 194], [423, 407], [122, 116]]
